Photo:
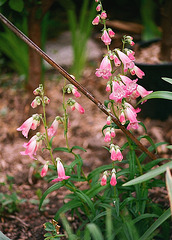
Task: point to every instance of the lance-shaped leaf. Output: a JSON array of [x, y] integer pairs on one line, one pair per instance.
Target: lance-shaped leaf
[[149, 175]]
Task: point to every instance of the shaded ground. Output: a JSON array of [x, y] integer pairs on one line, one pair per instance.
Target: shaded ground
[[85, 131]]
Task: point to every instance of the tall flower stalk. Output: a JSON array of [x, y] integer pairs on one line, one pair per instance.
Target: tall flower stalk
[[121, 88]]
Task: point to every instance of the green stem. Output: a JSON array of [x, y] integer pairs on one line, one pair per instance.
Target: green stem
[[46, 132], [65, 118]]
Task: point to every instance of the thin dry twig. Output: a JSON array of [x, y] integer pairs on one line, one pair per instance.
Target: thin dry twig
[[18, 219], [75, 83]]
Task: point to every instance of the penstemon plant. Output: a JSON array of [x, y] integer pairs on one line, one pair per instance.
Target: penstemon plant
[[109, 207]]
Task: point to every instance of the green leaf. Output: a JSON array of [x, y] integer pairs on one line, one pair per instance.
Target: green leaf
[[151, 164], [100, 215], [106, 102], [158, 94], [95, 190], [98, 171], [3, 237], [86, 200], [156, 224], [143, 216], [142, 124], [49, 227], [169, 186], [149, 139], [169, 147], [94, 231], [62, 149], [109, 225], [16, 5], [54, 187], [67, 227], [151, 148], [51, 141], [78, 147], [2, 2], [149, 175], [169, 80], [68, 206], [132, 163]]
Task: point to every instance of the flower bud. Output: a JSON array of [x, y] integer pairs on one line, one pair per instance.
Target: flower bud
[[98, 8], [104, 179], [44, 169], [36, 102], [113, 181], [96, 20], [111, 32], [46, 100], [103, 15]]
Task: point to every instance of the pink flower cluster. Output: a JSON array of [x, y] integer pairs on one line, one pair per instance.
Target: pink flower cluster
[[121, 88], [33, 122], [113, 180]]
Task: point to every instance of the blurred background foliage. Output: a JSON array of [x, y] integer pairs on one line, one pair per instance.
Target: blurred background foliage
[[72, 15]]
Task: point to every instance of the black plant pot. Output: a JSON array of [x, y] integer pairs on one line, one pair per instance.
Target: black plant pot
[[155, 108]]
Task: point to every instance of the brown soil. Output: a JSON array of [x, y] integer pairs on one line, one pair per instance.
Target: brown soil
[[85, 131]]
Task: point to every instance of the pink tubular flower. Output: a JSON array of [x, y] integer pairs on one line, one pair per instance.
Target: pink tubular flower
[[98, 8], [113, 181], [46, 100], [75, 92], [117, 62], [108, 121], [96, 20], [107, 137], [130, 54], [108, 88], [31, 123], [104, 179], [111, 55], [52, 131], [122, 118], [60, 172], [112, 132], [130, 113], [115, 153], [105, 38], [142, 91], [78, 107], [44, 169], [32, 146], [103, 15], [130, 88], [111, 32], [118, 93], [34, 103], [105, 69], [128, 63], [135, 70]]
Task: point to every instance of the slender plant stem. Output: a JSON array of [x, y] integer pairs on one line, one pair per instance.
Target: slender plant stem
[[46, 132], [75, 83], [65, 118]]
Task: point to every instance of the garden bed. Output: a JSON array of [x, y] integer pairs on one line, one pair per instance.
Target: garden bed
[[85, 131]]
